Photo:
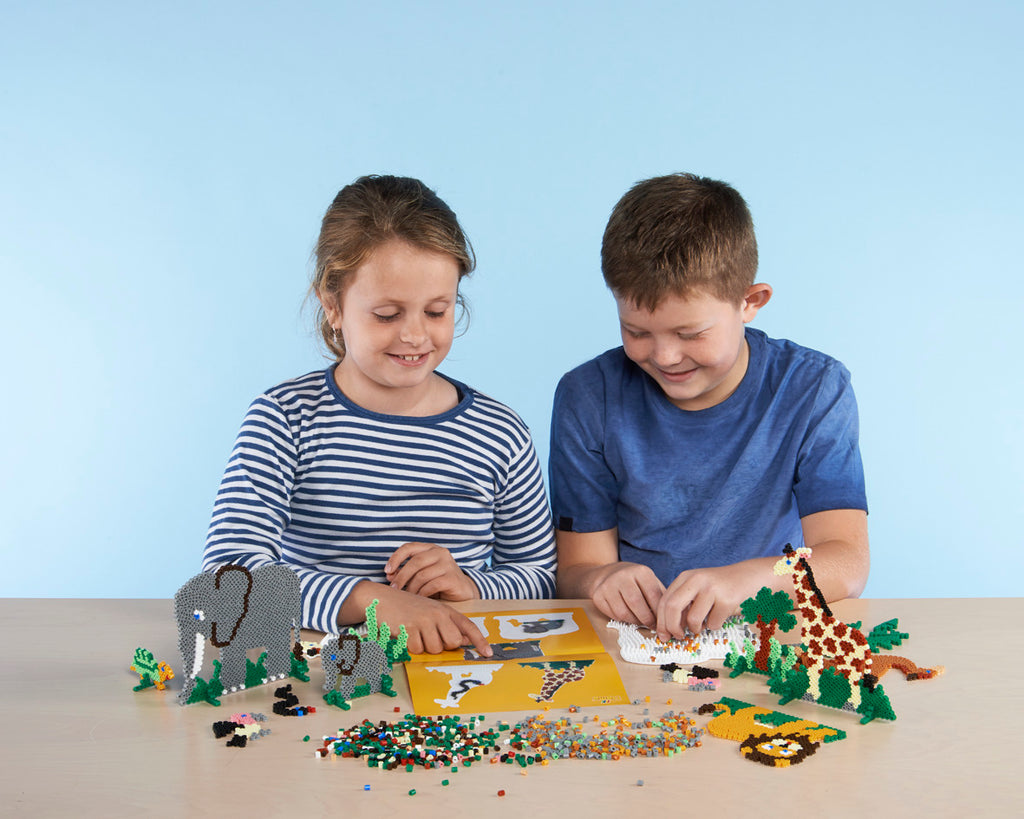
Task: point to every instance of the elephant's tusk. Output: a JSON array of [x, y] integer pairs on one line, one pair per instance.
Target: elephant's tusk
[[197, 663]]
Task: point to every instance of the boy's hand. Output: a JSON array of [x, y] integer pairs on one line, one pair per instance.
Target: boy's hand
[[629, 592], [704, 598], [429, 570], [432, 626]]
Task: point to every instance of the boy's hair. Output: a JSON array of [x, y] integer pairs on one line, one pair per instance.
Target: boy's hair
[[677, 234], [366, 214]]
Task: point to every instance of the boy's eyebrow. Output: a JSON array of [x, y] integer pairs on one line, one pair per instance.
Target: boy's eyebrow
[[689, 328]]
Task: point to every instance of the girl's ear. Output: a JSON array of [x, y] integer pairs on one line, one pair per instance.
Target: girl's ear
[[330, 305], [757, 297]]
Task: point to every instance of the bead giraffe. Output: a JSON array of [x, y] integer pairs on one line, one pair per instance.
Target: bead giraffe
[[830, 642]]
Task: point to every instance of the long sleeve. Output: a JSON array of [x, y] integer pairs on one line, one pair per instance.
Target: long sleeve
[[523, 560], [253, 509]]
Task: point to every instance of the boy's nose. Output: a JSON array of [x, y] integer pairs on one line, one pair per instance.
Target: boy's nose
[[667, 355]]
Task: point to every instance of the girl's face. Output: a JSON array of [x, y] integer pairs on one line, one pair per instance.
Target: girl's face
[[397, 319]]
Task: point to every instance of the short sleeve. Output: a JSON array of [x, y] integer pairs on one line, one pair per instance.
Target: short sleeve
[[584, 490], [829, 470]]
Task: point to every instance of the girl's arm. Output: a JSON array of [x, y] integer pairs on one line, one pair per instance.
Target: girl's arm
[[523, 561], [251, 512]]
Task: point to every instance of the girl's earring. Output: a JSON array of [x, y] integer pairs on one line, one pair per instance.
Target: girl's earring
[[335, 329]]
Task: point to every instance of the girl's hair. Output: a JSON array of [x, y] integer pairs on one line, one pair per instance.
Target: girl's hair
[[365, 215]]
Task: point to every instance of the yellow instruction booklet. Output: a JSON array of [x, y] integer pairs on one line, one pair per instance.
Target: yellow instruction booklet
[[540, 658]]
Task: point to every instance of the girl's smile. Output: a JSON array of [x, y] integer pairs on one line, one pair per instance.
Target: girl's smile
[[397, 320]]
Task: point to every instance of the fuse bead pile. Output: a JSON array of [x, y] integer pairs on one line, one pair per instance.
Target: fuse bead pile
[[415, 740], [617, 738]]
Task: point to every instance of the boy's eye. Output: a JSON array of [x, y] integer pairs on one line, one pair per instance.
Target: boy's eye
[[634, 333]]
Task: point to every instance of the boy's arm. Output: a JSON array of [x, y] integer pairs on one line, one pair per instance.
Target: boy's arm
[[841, 557], [589, 567], [704, 598]]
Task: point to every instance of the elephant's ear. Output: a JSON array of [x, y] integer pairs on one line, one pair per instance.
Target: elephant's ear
[[345, 666], [233, 584]]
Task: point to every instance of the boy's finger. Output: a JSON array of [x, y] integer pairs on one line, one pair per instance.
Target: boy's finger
[[670, 617], [639, 606], [697, 615]]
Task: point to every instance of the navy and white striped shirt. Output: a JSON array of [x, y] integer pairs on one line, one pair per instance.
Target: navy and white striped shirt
[[331, 489]]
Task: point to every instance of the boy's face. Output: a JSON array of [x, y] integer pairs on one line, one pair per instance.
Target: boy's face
[[693, 346]]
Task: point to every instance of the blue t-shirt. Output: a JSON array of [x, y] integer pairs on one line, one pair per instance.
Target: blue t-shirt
[[712, 487]]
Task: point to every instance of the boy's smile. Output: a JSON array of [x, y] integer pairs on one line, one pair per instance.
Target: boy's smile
[[692, 346]]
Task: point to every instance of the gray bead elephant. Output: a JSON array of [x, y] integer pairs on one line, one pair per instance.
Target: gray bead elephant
[[354, 660], [238, 609]]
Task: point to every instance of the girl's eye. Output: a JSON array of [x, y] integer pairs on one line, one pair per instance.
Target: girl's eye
[[386, 318], [435, 315]]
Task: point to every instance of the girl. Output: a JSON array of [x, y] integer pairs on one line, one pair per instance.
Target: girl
[[380, 477]]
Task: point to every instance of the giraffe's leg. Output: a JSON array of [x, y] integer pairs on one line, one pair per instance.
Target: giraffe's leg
[[814, 677], [855, 679]]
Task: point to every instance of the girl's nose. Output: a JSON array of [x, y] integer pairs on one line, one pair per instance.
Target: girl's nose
[[412, 332]]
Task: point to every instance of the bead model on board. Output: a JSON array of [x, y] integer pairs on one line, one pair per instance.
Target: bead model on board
[[355, 665], [237, 609], [837, 666], [640, 645]]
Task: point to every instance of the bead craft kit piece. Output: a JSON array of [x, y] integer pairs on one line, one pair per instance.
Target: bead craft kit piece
[[242, 728], [152, 672], [641, 645], [237, 609], [356, 665], [765, 736], [618, 738], [836, 665], [413, 741], [287, 703]]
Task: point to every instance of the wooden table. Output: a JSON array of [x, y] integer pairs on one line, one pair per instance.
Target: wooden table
[[77, 740]]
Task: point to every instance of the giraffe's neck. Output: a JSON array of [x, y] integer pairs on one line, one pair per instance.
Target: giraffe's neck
[[805, 596], [808, 586]]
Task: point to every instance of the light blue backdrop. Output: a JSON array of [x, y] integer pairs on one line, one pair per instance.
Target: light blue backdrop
[[163, 174]]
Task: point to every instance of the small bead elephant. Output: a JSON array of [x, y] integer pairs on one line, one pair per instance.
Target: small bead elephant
[[356, 661]]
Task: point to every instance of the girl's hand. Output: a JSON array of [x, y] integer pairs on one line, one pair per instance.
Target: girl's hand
[[429, 570], [432, 626]]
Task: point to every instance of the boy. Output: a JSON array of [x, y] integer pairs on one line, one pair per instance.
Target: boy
[[683, 461]]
